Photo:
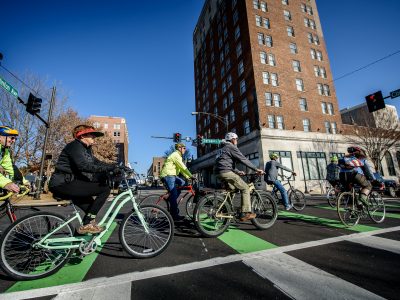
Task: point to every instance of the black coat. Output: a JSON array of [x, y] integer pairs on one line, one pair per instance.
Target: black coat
[[77, 161]]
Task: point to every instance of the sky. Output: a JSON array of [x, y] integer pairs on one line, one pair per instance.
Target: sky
[[134, 59]]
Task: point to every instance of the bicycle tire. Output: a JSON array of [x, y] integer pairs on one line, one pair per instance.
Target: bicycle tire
[[189, 206], [20, 260], [347, 209], [376, 207], [155, 199], [264, 206], [297, 199], [205, 218], [331, 197], [141, 244]]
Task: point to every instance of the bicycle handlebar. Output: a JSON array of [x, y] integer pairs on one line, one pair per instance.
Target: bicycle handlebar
[[23, 188]]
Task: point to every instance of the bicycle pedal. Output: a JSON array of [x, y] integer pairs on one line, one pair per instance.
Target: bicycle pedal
[[224, 216]]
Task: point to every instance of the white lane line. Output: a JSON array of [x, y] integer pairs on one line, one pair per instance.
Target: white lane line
[[116, 291], [128, 277], [302, 281], [380, 243]]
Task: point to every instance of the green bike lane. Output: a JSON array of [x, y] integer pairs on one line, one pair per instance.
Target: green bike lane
[[291, 227]]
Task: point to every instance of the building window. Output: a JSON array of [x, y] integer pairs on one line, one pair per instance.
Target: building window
[[228, 64], [258, 21], [242, 87], [285, 2], [268, 99], [333, 127], [224, 103], [299, 85], [323, 106], [293, 48], [230, 98], [390, 164], [245, 107], [271, 121], [263, 6], [240, 68], [290, 31], [323, 89], [277, 100], [271, 60], [309, 23], [264, 40], [313, 54], [306, 125], [268, 41], [229, 80], [287, 15], [279, 122], [266, 23], [237, 32], [235, 17], [246, 127], [232, 116], [105, 126], [296, 66], [226, 49], [96, 125], [330, 109], [314, 165], [238, 50], [222, 71], [319, 55], [327, 127], [117, 126], [223, 87], [263, 57], [274, 79], [266, 77], [303, 104]]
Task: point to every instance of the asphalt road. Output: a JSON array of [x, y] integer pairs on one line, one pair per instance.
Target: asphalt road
[[306, 255]]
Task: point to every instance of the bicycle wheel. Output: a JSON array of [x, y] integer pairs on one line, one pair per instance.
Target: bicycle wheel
[[347, 209], [205, 215], [160, 200], [142, 243], [331, 197], [21, 259], [265, 208], [190, 205], [376, 207], [297, 199]]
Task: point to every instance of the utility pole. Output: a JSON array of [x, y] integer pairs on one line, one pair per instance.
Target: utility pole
[[40, 179]]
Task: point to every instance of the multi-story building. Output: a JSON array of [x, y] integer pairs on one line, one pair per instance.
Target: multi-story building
[[117, 129], [359, 115], [263, 67], [153, 173]]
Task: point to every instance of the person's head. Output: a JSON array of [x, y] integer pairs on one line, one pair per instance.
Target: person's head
[[356, 151], [180, 147], [86, 134], [274, 156], [231, 137], [8, 136], [334, 159]]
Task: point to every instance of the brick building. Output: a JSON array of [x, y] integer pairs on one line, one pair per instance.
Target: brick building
[[263, 67], [153, 173], [117, 129]]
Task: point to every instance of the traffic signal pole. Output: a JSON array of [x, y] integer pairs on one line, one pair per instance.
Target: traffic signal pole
[[40, 179]]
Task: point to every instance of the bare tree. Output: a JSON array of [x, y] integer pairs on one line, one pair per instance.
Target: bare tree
[[377, 141]]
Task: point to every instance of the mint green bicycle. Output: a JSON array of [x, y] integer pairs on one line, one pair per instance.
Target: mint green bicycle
[[41, 243]]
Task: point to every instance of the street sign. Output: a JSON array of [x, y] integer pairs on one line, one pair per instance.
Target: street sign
[[395, 94], [8, 87], [211, 141]]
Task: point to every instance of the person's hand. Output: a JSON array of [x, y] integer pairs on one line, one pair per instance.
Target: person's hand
[[12, 187], [260, 172], [294, 174], [241, 173]]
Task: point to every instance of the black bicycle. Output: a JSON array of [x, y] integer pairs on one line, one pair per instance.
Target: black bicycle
[[296, 197]]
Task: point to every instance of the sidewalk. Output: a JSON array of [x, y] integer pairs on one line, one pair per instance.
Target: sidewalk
[[45, 200]]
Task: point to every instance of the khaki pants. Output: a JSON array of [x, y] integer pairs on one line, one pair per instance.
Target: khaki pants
[[235, 182]]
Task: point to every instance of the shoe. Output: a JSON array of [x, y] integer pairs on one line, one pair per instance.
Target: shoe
[[247, 216], [92, 227], [178, 218], [289, 207]]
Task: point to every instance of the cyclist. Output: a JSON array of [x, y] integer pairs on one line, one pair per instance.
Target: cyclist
[[225, 169], [173, 166], [332, 171], [8, 172], [271, 177], [77, 174], [354, 168]]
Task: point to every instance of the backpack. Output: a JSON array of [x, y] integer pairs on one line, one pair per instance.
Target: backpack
[[350, 162]]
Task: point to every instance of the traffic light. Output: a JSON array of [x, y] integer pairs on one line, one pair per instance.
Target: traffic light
[[177, 137], [375, 101], [199, 139], [34, 104]]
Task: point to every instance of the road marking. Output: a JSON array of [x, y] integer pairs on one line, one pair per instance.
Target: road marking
[[164, 271], [300, 280], [387, 215], [379, 243], [327, 222], [68, 274], [115, 291]]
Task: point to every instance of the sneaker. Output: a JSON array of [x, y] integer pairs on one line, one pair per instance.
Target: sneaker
[[289, 207], [178, 218], [247, 216], [92, 227]]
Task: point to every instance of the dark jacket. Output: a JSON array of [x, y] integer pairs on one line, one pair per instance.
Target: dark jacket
[[227, 157], [271, 170], [77, 161]]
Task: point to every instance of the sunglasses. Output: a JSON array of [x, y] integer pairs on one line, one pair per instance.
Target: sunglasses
[[13, 138]]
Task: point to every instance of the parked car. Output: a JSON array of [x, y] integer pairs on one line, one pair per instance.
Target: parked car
[[132, 185], [391, 186]]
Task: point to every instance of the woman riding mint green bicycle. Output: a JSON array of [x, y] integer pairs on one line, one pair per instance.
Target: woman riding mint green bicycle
[[39, 244]]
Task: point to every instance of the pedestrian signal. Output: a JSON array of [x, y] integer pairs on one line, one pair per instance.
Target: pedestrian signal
[[34, 104], [177, 137], [375, 101]]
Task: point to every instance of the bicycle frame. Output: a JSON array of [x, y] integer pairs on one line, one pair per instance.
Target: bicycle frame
[[74, 242]]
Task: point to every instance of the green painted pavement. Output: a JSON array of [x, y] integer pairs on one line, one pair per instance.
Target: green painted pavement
[[244, 242], [68, 274], [387, 215], [326, 222]]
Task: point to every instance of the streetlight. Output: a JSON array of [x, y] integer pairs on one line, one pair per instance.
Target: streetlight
[[219, 118]]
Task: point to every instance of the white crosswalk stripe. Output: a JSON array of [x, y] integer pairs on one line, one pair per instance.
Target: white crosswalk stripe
[[379, 243]]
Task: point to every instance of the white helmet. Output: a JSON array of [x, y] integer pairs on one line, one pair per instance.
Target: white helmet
[[230, 135]]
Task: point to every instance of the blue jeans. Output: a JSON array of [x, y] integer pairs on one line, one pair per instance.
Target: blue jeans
[[170, 183], [281, 188]]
